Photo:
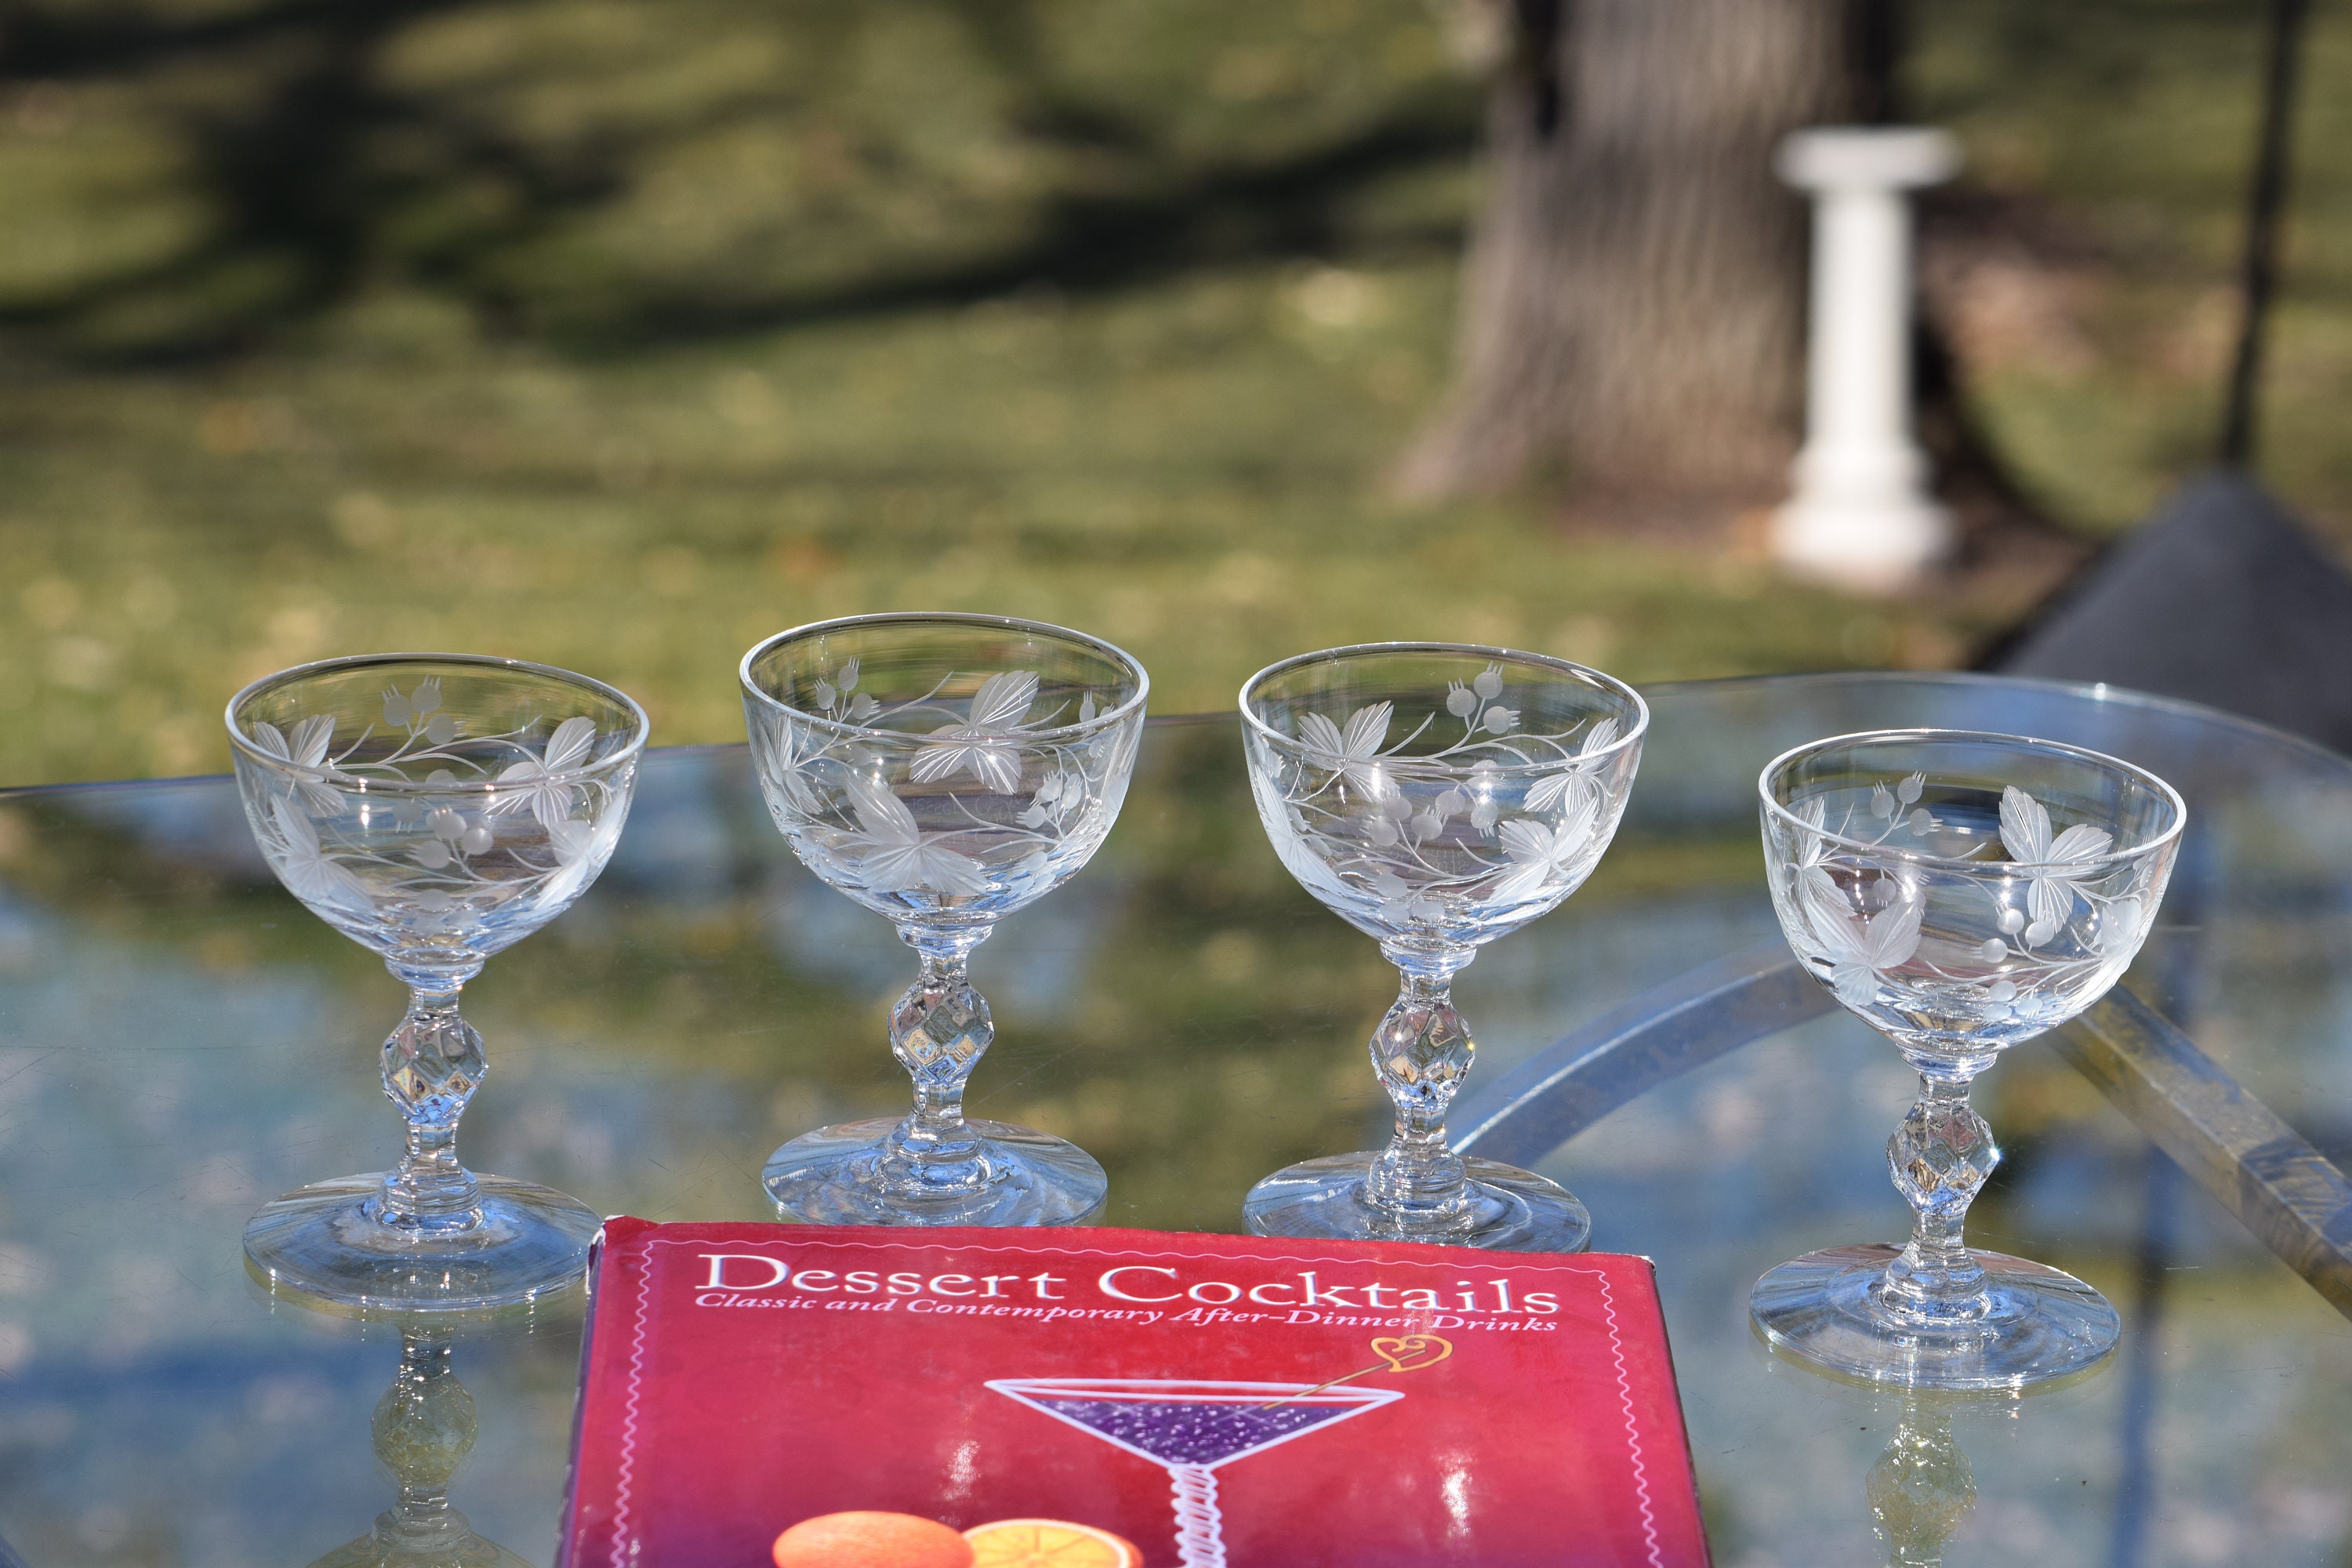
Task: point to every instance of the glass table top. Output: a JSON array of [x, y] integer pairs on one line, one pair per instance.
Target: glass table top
[[180, 1041]]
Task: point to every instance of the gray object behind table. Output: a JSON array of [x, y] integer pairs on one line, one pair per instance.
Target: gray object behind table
[[2221, 598]]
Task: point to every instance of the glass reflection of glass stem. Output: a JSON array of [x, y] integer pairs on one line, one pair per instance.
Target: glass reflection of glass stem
[[432, 1065], [1921, 1487], [424, 1428], [1422, 1050]]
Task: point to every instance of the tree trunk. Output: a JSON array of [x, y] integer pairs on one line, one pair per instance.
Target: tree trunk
[[1634, 315]]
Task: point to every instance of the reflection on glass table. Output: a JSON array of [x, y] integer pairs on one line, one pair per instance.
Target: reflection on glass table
[[424, 1427], [173, 1036]]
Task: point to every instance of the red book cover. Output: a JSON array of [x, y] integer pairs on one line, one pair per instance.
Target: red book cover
[[872, 1397]]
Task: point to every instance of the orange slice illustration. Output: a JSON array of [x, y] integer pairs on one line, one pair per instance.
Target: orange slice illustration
[[870, 1540], [1048, 1543]]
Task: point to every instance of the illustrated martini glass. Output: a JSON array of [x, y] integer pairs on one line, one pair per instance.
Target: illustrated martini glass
[[1193, 1428]]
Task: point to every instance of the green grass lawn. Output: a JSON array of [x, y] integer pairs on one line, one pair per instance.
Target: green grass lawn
[[1190, 470], [774, 370]]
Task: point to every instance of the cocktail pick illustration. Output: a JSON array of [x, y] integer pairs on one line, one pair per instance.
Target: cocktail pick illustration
[[1194, 1427], [1409, 1353]]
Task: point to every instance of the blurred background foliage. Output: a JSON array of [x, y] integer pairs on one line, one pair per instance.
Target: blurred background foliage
[[618, 333]]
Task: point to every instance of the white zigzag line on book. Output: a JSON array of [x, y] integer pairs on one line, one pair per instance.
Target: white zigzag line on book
[[621, 1542], [624, 1549], [1632, 1440]]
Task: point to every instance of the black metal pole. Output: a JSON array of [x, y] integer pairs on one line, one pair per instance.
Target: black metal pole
[[2259, 270]]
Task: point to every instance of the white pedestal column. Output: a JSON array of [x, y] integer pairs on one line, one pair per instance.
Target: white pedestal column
[[1861, 515]]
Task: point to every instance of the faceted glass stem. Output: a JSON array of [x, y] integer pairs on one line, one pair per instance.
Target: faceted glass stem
[[1422, 1052], [939, 1031], [432, 1065], [1939, 1159]]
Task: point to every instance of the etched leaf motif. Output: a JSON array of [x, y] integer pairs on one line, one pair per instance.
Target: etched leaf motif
[[983, 742], [1321, 735], [2025, 834], [899, 858], [1367, 728], [538, 782], [571, 841], [568, 747], [305, 757], [1003, 698], [786, 765], [2119, 933], [1351, 752], [1539, 855], [1862, 948], [310, 873], [1552, 788]]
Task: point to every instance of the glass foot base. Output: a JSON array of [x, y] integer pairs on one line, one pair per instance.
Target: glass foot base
[[833, 1176], [1510, 1210], [2046, 1326], [321, 1243]]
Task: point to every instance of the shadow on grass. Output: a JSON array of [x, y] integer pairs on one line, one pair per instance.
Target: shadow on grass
[[318, 173]]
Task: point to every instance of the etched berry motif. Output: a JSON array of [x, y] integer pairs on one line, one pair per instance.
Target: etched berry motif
[[360, 836], [990, 815], [1479, 835], [1928, 949]]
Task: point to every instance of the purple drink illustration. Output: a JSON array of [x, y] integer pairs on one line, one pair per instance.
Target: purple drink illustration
[[1192, 1428]]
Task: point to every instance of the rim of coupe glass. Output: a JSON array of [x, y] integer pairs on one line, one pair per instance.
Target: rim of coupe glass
[[1477, 650], [1116, 654], [2008, 867], [640, 726]]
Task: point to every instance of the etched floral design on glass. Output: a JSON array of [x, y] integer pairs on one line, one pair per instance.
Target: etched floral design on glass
[[435, 809], [1435, 796], [943, 770], [1961, 893]]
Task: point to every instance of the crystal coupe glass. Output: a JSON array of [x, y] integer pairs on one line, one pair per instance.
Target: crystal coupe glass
[[943, 770], [436, 808], [1961, 893], [1435, 796]]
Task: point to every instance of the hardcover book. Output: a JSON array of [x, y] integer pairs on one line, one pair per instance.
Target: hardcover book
[[871, 1397]]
